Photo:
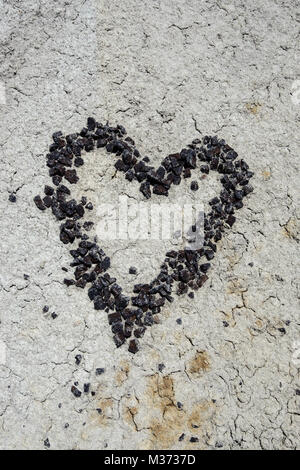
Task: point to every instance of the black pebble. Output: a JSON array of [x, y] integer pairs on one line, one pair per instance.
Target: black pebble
[[194, 186], [75, 391], [133, 346], [12, 198], [78, 358], [39, 203], [132, 270], [47, 443]]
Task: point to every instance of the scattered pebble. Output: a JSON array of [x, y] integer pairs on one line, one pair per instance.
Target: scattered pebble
[[75, 391], [181, 437], [47, 443], [45, 309], [78, 358], [100, 370], [161, 367], [132, 270], [194, 439], [194, 186], [12, 198]]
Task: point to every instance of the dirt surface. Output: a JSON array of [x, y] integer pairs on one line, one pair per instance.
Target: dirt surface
[[169, 72]]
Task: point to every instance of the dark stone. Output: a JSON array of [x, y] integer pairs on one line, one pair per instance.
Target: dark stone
[[75, 391], [230, 221], [139, 332], [145, 189], [204, 169], [39, 203], [78, 161], [71, 176], [91, 123], [47, 443], [48, 201], [12, 198], [78, 358], [119, 339], [132, 270], [114, 317], [99, 304], [133, 346], [160, 190]]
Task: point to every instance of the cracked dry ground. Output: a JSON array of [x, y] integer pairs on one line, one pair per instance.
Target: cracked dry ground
[[169, 72]]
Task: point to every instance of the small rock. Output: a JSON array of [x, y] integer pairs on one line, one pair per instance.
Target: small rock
[[12, 198]]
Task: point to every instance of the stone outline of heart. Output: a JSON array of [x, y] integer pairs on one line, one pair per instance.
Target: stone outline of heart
[[106, 294]]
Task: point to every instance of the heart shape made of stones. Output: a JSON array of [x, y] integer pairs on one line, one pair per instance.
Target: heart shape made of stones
[[129, 316]]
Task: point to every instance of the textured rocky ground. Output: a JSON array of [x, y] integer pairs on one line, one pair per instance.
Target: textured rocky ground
[[169, 72]]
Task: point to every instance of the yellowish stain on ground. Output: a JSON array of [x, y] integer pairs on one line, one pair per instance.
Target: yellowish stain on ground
[[233, 260], [266, 174], [100, 416], [253, 108], [291, 229], [235, 287], [167, 422], [199, 364], [122, 373], [129, 415], [104, 404]]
